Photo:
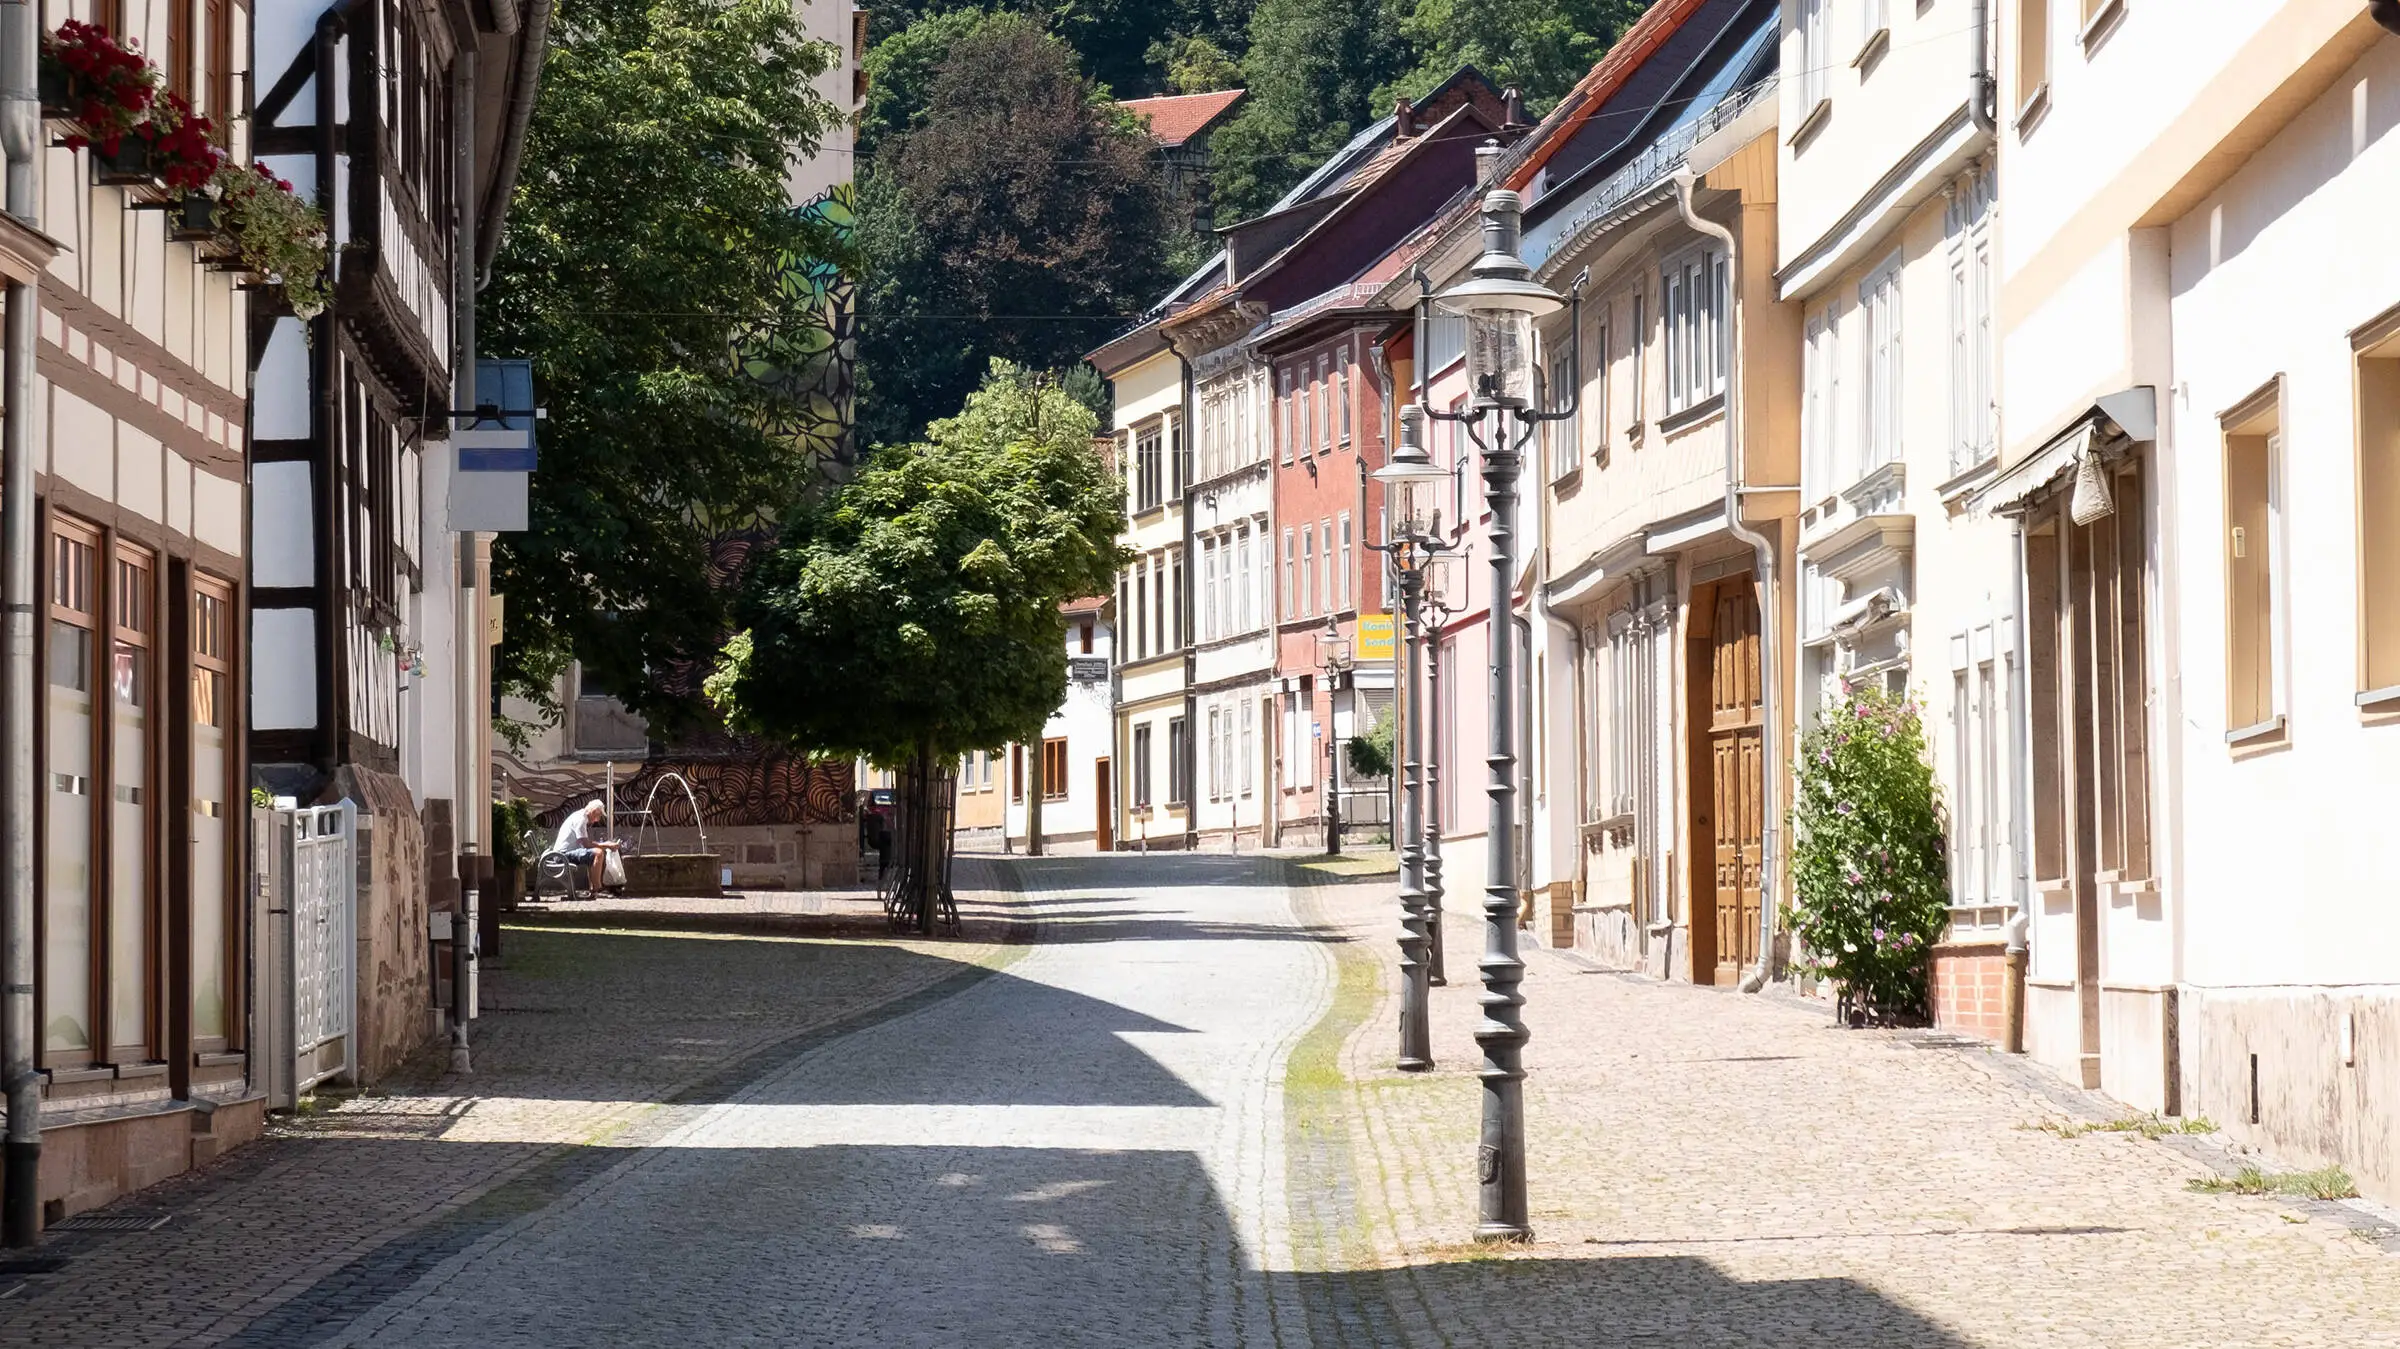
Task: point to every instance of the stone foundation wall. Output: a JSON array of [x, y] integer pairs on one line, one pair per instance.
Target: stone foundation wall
[[396, 1015], [2326, 1067], [1606, 933], [1966, 988]]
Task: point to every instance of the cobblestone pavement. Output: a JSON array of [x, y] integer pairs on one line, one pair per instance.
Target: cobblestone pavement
[[1710, 1168], [1149, 1101]]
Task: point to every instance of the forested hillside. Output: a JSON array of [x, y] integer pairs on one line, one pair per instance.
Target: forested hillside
[[1008, 209]]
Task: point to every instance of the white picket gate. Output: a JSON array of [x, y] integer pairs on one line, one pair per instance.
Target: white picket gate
[[313, 899]]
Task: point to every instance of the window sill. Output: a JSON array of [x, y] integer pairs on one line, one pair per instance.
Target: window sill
[[1568, 479], [1677, 422], [2265, 732], [1870, 53], [2103, 24], [2029, 115], [2380, 700], [1967, 481], [1810, 124]]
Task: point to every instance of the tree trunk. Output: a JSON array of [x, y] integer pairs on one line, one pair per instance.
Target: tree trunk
[[1035, 789], [921, 896]]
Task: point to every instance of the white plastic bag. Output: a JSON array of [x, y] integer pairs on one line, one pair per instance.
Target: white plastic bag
[[612, 869]]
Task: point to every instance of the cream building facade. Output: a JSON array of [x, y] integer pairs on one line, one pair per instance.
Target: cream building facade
[[1889, 220], [1152, 742], [2196, 300]]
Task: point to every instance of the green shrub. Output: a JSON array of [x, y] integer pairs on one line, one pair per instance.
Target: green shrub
[[511, 817], [1867, 861], [1371, 754]]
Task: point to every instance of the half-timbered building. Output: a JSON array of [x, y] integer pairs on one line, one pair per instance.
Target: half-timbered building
[[370, 618], [136, 435]]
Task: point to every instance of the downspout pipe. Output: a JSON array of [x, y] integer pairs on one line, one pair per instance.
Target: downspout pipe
[[2017, 953], [1982, 89], [325, 410], [523, 84], [20, 134], [1770, 635]]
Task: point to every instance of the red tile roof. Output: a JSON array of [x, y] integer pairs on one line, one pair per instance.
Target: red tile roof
[[1177, 118]]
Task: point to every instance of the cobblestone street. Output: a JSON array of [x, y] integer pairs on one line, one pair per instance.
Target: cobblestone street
[[1148, 1100]]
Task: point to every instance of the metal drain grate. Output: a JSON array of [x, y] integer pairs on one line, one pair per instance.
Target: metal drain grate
[[146, 1221]]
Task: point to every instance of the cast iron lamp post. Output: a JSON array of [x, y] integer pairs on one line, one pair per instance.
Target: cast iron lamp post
[[1410, 477], [1333, 659], [1500, 300], [1438, 612]]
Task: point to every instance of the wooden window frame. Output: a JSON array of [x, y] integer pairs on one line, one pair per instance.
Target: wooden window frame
[[2256, 425], [60, 529], [1054, 757], [135, 579], [219, 659], [2376, 407]]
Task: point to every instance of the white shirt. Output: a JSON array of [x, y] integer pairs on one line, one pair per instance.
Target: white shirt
[[575, 833]]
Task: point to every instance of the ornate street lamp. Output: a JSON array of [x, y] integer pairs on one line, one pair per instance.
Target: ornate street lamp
[[1438, 612], [1333, 659], [1500, 300], [1412, 477]]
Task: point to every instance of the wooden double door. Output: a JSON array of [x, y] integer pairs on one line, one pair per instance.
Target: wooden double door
[[1727, 752]]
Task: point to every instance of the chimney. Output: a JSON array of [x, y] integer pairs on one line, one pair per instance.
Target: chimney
[[1487, 163], [1404, 120], [1512, 108]]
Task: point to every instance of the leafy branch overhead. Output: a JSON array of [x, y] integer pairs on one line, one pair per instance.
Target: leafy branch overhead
[[650, 227], [914, 611]]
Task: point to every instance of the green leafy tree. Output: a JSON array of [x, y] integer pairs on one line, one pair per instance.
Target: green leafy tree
[[1021, 217], [1114, 39], [648, 230], [912, 615], [1867, 854], [1194, 64], [1313, 71], [1540, 47]]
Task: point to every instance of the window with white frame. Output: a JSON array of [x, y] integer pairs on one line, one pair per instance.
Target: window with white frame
[[1346, 570], [1598, 411], [1289, 421], [1879, 369], [1344, 393], [2257, 607], [1325, 566], [1141, 600], [1874, 16], [1249, 747], [1247, 618], [1291, 580], [1821, 398], [1308, 572], [1983, 772], [1637, 351], [1216, 756], [1566, 453], [1208, 590], [1968, 225], [1321, 434], [1693, 291], [1816, 53]]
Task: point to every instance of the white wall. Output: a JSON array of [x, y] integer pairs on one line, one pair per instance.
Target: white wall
[[2289, 875]]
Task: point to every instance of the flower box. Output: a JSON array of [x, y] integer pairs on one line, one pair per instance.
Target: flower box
[[61, 90], [195, 218], [129, 164]]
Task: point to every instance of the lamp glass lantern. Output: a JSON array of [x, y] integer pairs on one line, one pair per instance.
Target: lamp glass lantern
[[1500, 299], [1412, 476]]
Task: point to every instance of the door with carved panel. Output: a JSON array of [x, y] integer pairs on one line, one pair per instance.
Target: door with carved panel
[[1736, 778]]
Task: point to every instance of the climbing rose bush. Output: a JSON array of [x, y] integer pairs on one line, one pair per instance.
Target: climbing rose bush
[[1867, 859]]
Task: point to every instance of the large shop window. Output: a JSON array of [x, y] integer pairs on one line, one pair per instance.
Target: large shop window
[[132, 869], [68, 929], [213, 925], [2255, 661]]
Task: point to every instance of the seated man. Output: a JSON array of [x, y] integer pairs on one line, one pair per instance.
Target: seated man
[[576, 844]]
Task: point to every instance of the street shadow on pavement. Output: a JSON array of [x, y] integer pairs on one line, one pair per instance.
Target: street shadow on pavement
[[996, 1246]]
